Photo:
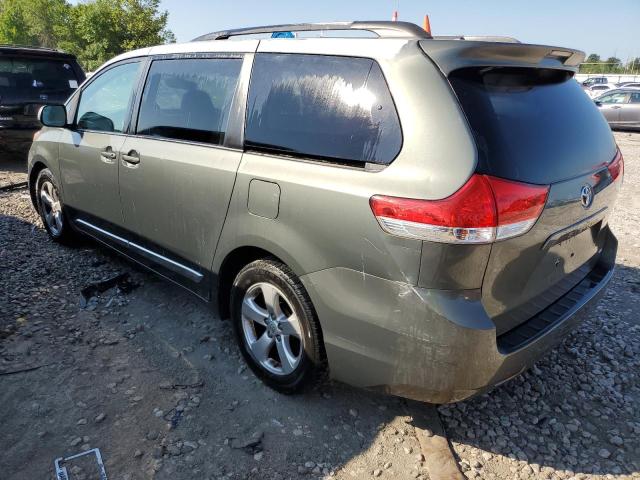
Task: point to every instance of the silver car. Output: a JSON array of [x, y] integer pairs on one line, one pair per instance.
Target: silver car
[[621, 107]]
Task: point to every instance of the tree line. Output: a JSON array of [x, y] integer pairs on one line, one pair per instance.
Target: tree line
[[93, 30], [594, 64]]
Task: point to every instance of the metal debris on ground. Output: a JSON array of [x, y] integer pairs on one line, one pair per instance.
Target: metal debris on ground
[[122, 281], [95, 463], [13, 186]]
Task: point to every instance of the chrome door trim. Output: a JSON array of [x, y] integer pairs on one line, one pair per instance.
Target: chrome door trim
[[103, 232], [145, 252], [168, 263]]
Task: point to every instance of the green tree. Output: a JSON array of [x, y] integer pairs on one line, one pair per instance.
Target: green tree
[[94, 30], [14, 27], [634, 65], [592, 64], [33, 22], [613, 64], [109, 27]]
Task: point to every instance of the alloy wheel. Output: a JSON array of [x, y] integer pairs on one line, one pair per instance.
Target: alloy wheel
[[271, 329], [51, 207]]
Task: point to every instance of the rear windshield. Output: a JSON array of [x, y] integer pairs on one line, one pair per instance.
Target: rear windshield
[[532, 125], [21, 76]]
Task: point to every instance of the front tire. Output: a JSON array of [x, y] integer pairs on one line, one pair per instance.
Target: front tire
[[51, 209], [276, 326]]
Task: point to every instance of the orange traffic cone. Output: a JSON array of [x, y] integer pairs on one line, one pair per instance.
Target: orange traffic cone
[[426, 25]]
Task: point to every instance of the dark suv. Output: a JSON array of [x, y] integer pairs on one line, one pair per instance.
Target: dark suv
[[29, 78]]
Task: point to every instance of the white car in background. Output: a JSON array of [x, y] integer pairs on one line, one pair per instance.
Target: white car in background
[[599, 89]]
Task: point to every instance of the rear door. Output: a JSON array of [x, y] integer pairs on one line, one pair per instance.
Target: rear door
[[630, 111], [177, 172], [534, 125], [89, 150]]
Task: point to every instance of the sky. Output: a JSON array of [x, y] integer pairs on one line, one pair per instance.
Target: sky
[[589, 25]]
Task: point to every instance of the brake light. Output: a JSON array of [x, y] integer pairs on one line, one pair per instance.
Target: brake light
[[483, 210], [616, 167]]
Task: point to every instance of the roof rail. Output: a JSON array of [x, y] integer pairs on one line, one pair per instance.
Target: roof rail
[[382, 29], [478, 38], [33, 47]]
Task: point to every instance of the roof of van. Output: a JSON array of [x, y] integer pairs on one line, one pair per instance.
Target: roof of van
[[449, 52], [379, 28]]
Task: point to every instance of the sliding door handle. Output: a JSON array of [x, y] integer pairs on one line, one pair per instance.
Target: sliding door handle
[[132, 157]]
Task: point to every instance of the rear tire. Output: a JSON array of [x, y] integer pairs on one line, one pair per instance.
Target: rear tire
[[276, 326], [51, 209]]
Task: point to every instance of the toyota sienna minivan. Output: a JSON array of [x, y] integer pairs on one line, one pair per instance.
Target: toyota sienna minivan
[[416, 215]]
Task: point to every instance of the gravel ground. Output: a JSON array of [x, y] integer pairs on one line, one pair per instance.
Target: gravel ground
[[12, 171], [154, 380], [576, 414]]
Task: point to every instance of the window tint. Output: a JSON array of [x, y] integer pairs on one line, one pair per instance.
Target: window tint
[[322, 107], [189, 99], [104, 104], [26, 75], [532, 125], [635, 97]]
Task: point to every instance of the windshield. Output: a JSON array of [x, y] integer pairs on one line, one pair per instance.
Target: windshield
[[21, 76]]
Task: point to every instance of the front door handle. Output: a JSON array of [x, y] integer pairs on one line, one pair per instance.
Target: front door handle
[[108, 155], [132, 157], [616, 107]]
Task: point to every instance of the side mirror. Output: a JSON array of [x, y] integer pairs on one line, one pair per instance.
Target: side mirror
[[598, 103], [53, 116]]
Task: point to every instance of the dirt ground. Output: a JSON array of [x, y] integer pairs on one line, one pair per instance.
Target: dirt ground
[[149, 375]]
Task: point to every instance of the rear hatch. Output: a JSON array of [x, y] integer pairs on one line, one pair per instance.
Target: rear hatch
[[29, 81], [533, 124]]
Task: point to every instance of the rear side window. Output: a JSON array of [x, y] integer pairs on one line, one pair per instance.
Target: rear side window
[[324, 107], [189, 99], [532, 125]]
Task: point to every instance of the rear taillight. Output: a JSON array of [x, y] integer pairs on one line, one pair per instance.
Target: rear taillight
[[616, 167], [483, 210]]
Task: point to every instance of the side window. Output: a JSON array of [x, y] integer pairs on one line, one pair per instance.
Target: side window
[[619, 97], [635, 97], [189, 99], [324, 107], [105, 103]]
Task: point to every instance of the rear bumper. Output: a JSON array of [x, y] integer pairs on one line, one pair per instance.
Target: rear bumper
[[434, 345]]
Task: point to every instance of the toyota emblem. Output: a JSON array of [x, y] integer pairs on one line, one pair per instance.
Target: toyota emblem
[[586, 196]]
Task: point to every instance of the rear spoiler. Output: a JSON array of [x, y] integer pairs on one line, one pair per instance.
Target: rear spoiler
[[450, 55]]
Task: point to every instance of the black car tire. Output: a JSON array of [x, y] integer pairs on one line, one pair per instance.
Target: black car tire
[[270, 272], [60, 231]]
